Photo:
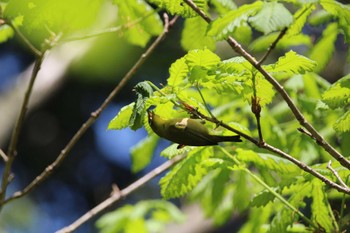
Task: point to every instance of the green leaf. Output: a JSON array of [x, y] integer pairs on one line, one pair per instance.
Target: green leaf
[[223, 6], [292, 63], [172, 151], [273, 16], [143, 92], [121, 120], [194, 35], [310, 85], [178, 72], [179, 7], [6, 32], [142, 153], [185, 175], [132, 10], [263, 42], [338, 95], [320, 17], [343, 123], [300, 18], [267, 161], [222, 27], [262, 199], [320, 207], [203, 58], [324, 48], [341, 12]]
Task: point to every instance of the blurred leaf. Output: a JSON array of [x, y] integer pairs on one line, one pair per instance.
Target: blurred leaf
[[132, 10], [222, 27], [185, 175], [194, 35], [320, 17], [121, 120], [262, 199], [6, 32], [324, 48], [142, 153], [223, 6], [300, 18], [273, 16], [172, 151]]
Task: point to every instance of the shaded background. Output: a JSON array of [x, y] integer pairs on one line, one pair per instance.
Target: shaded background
[[101, 158]]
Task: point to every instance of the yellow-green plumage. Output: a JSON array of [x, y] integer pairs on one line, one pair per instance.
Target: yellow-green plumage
[[186, 131]]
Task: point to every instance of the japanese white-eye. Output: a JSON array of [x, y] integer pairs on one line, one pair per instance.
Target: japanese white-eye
[[186, 131]]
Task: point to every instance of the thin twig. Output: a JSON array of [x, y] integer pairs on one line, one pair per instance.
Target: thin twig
[[109, 30], [273, 45], [3, 155], [329, 166], [116, 196], [297, 113], [11, 154], [267, 187], [94, 115]]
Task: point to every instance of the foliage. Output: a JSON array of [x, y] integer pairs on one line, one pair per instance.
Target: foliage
[[276, 195]]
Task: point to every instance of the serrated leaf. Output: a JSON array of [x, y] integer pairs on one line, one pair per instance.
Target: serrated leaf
[[222, 27], [203, 58], [300, 18], [292, 63], [273, 16], [262, 199], [194, 35], [319, 207], [343, 123], [178, 72], [338, 95], [324, 48], [264, 90], [172, 151], [139, 34], [121, 120], [185, 175], [142, 153], [223, 6]]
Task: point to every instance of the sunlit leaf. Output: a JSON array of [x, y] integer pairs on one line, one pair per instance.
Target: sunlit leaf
[[121, 120], [202, 58], [178, 72], [179, 7], [338, 95], [300, 18], [343, 123], [273, 16], [142, 153]]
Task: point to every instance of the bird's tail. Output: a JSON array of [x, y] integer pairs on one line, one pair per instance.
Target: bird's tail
[[235, 138]]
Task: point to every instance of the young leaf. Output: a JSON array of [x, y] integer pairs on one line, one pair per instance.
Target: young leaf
[[323, 50], [142, 153], [343, 123], [6, 32], [121, 120], [171, 151], [273, 16], [179, 7], [300, 18], [320, 208], [143, 91], [223, 6], [204, 59], [185, 175], [340, 11], [178, 72], [262, 199], [338, 95], [194, 35], [222, 27], [292, 63], [141, 33]]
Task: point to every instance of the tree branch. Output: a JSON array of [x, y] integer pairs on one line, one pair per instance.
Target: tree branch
[[120, 194], [11, 154], [94, 115], [329, 166], [297, 113]]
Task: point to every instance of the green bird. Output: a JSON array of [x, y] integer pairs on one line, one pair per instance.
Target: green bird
[[186, 131]]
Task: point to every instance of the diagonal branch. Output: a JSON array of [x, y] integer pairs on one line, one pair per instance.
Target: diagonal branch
[[120, 194], [94, 115], [297, 113]]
